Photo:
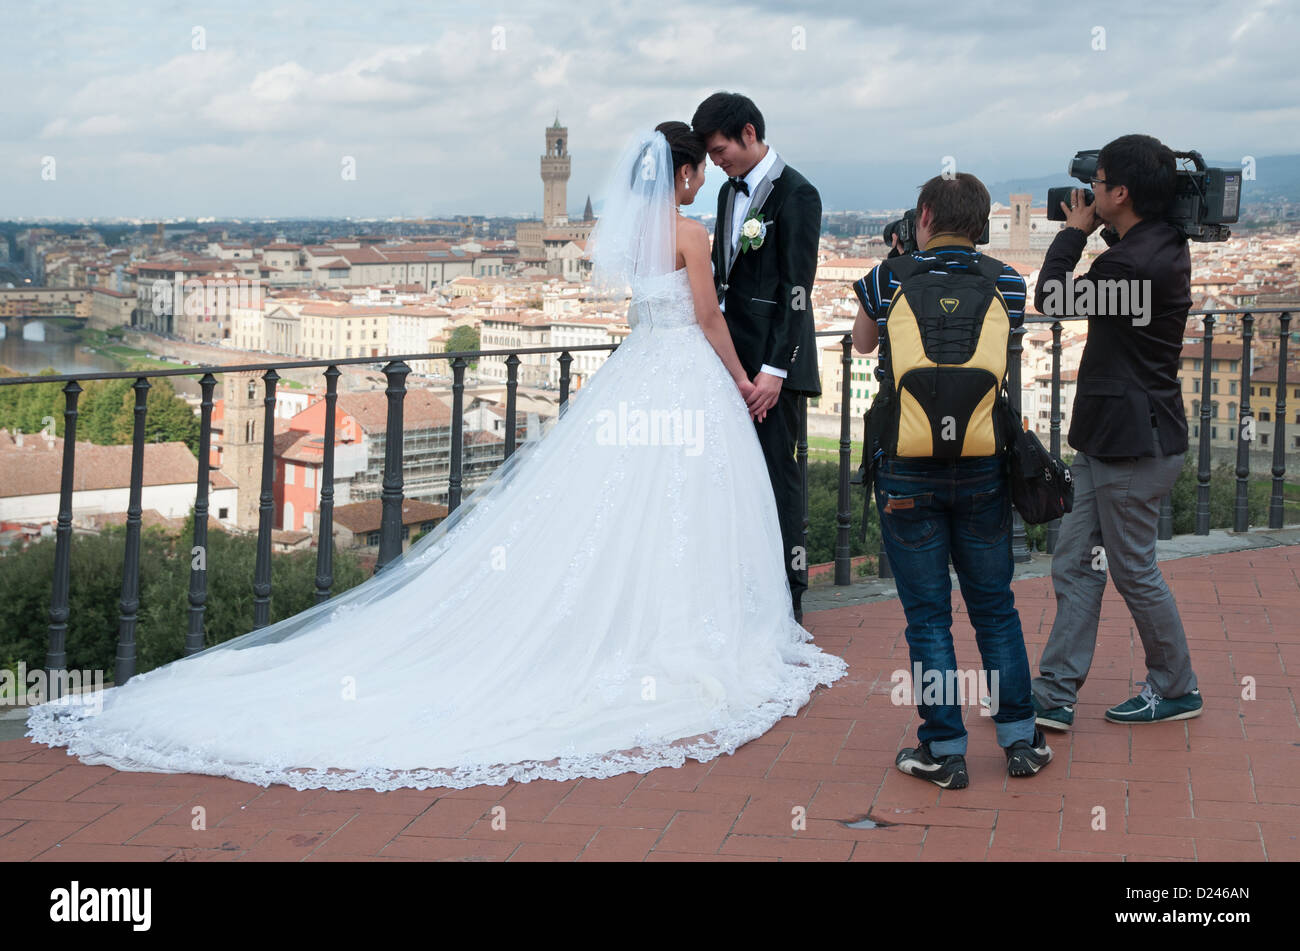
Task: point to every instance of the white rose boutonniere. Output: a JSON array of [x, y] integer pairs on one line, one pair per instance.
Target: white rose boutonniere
[[753, 232]]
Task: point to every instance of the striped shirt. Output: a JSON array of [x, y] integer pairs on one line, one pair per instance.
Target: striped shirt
[[876, 290]]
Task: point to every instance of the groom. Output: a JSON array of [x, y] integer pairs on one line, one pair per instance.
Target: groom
[[764, 262]]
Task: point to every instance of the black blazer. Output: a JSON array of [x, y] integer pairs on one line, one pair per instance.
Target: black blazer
[[1128, 374], [768, 290]]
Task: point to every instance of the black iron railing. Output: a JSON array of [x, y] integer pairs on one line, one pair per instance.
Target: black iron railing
[[396, 371]]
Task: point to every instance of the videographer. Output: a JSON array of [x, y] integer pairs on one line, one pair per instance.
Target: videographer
[[936, 501], [1129, 431]]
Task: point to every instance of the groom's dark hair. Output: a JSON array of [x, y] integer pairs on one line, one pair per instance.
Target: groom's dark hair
[[728, 113]]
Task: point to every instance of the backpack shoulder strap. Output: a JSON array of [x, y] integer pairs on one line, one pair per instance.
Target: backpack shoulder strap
[[903, 266], [990, 268]]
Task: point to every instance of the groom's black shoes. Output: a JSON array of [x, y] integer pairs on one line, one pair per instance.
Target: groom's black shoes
[[947, 772]]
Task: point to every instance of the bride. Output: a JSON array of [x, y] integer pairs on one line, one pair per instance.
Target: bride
[[611, 599]]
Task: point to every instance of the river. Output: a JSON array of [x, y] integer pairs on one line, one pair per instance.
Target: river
[[29, 346]]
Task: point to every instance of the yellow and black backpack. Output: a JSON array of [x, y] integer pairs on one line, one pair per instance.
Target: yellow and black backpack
[[947, 334], [944, 397]]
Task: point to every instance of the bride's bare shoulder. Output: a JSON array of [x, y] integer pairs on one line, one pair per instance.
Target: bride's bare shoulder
[[691, 232]]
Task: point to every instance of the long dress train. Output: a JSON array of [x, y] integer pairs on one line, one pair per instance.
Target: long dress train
[[613, 600]]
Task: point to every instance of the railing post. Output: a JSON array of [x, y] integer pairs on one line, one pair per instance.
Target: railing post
[[565, 359], [1276, 505], [266, 509], [455, 476], [325, 530], [1245, 432], [1203, 465], [199, 554], [130, 603], [56, 655], [512, 387], [390, 522], [1019, 538], [801, 457], [843, 549], [1054, 526]]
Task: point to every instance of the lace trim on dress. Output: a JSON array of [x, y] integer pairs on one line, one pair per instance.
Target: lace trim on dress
[[58, 723]]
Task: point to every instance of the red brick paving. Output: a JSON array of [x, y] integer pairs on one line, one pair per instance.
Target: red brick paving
[[1225, 786]]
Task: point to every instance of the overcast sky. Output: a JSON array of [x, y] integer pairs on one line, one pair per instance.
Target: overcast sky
[[865, 98]]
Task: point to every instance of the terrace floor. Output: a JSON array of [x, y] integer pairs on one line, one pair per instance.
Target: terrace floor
[[1225, 786]]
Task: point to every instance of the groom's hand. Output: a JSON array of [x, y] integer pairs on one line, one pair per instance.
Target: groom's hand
[[767, 389]]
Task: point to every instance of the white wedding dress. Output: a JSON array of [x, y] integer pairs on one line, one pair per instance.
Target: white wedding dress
[[612, 599]]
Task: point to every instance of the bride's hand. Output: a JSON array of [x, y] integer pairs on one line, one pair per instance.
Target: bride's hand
[[746, 388]]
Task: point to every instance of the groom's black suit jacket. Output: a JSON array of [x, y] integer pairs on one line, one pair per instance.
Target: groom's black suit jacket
[[768, 290]]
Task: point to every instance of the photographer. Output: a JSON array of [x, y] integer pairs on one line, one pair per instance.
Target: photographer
[[1130, 435], [939, 499]]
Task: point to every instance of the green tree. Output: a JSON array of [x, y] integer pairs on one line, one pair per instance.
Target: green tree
[[26, 582], [105, 411], [823, 509], [464, 338]]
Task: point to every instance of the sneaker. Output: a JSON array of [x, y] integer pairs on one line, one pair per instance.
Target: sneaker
[[947, 772], [1054, 718], [1150, 707], [1026, 757]]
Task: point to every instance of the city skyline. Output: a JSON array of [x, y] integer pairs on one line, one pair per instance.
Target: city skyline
[[263, 113]]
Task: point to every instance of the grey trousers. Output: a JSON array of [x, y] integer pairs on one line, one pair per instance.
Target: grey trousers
[[1113, 525]]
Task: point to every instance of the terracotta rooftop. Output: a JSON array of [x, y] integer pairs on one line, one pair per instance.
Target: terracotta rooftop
[[362, 517], [36, 467]]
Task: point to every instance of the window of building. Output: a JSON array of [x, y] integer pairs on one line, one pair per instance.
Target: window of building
[[1263, 416], [372, 538], [223, 513], [1232, 387], [309, 476], [1265, 391], [1196, 386], [1214, 386], [1263, 439], [288, 473]]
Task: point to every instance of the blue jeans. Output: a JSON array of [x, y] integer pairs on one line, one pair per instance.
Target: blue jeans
[[931, 510]]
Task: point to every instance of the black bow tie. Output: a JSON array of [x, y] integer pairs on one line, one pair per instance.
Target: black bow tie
[[739, 184]]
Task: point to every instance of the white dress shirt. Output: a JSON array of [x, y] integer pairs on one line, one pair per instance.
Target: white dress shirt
[[739, 209]]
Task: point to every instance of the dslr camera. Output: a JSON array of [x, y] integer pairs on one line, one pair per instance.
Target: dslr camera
[[1206, 200], [905, 228]]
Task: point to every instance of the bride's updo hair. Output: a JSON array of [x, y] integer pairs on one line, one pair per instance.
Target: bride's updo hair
[[686, 146]]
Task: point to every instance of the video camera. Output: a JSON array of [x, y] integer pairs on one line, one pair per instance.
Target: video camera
[[905, 228], [1206, 200]]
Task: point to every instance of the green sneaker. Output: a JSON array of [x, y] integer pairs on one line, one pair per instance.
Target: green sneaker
[[1053, 718], [1150, 707]]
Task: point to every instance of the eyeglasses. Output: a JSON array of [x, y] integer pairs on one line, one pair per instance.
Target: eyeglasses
[[1094, 182]]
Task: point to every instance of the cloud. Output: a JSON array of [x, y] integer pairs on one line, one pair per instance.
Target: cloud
[[444, 108]]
